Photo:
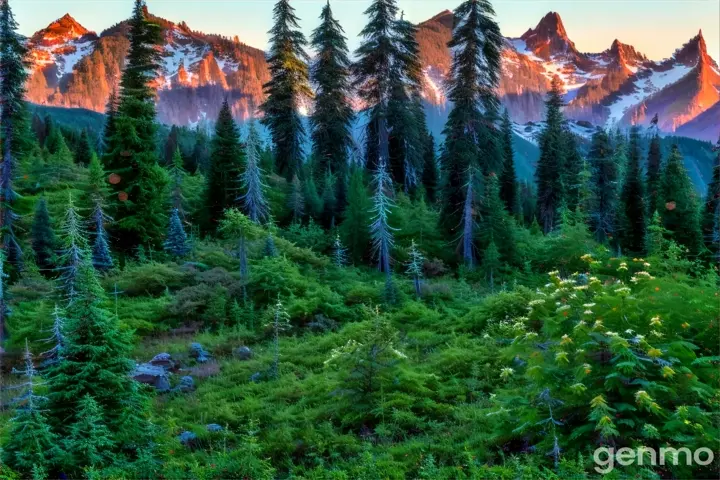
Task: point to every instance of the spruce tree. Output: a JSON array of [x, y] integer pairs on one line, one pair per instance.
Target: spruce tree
[[176, 243], [551, 164], [632, 199], [253, 198], [430, 171], [110, 127], [63, 157], [200, 159], [415, 267], [508, 178], [380, 230], [496, 225], [13, 75], [132, 158], [332, 117], [279, 323], [604, 182], [654, 175], [655, 242], [42, 238], [572, 177], [226, 162], [95, 362], [329, 200], [491, 263], [680, 212], [74, 250], [467, 239], [101, 258], [339, 252], [296, 200], [31, 442], [313, 201], [84, 151], [470, 138], [288, 87], [354, 228], [90, 442], [177, 177], [98, 188], [56, 339]]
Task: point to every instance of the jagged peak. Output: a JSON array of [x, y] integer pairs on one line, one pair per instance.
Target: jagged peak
[[550, 37], [551, 24], [63, 29], [694, 52], [624, 53]]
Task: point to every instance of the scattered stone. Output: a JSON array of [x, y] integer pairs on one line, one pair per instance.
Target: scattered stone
[[186, 385], [243, 353], [163, 360], [187, 438], [256, 377], [214, 427], [198, 353], [151, 375]]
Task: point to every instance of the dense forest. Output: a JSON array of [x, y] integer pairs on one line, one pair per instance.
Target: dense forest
[[183, 305]]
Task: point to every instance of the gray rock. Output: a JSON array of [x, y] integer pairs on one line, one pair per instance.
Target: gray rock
[[151, 375], [214, 427], [187, 438], [243, 353], [199, 353], [163, 360], [186, 385], [256, 377]]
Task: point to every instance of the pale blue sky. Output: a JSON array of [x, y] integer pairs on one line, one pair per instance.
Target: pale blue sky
[[655, 27]]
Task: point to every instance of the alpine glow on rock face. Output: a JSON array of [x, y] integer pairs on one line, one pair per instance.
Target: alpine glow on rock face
[[359, 239]]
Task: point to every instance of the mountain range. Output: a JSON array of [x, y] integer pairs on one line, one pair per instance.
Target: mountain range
[[74, 67]]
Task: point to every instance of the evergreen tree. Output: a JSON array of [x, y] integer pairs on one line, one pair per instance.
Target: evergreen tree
[[354, 228], [177, 177], [57, 338], [74, 250], [632, 199], [711, 209], [474, 75], [296, 200], [98, 189], [132, 154], [287, 89], [508, 178], [176, 243], [4, 307], [270, 250], [329, 200], [101, 257], [253, 199], [551, 165], [604, 182], [381, 232], [226, 163], [339, 252], [31, 442], [430, 171], [491, 263], [496, 225], [332, 117], [95, 362], [84, 151], [90, 442], [110, 127], [415, 267], [527, 203], [572, 173], [171, 145], [680, 214], [244, 267], [467, 241], [13, 75], [313, 201], [654, 175], [42, 238], [200, 159], [280, 322], [63, 157], [655, 242]]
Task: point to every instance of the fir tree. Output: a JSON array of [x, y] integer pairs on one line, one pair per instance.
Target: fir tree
[[253, 199], [132, 157], [354, 228], [552, 159], [296, 200], [655, 242], [339, 252], [632, 199], [329, 200], [380, 231], [226, 163], [467, 246], [98, 189], [101, 257], [415, 267], [280, 322], [31, 442], [176, 243], [201, 153], [110, 127], [572, 173], [90, 442], [270, 250], [430, 171], [74, 250], [680, 214], [177, 176], [42, 238], [470, 138], [95, 362], [491, 263], [654, 174], [604, 186], [508, 178], [313, 201], [332, 117], [56, 339], [63, 157], [84, 151], [13, 74], [496, 225], [287, 89]]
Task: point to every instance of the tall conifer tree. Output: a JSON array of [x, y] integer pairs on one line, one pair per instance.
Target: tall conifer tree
[[333, 115], [226, 162], [253, 198], [654, 175], [13, 75], [552, 155], [288, 87], [42, 238], [711, 209], [680, 213], [356, 218], [604, 180], [632, 199], [430, 171], [572, 173], [140, 182], [508, 177]]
